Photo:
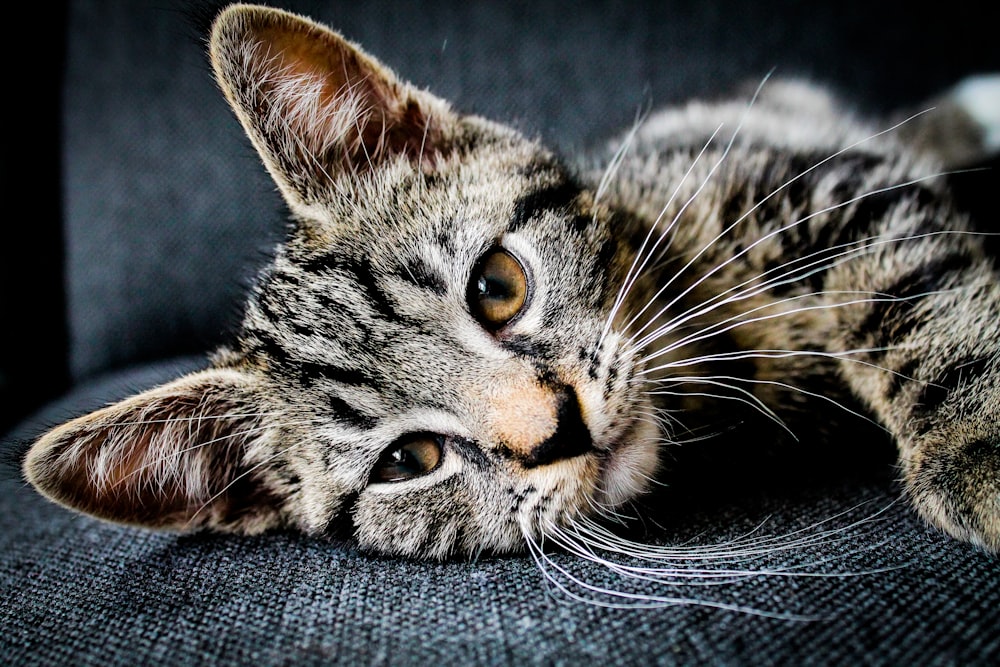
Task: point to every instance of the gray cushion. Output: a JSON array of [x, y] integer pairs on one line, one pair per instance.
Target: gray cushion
[[886, 591]]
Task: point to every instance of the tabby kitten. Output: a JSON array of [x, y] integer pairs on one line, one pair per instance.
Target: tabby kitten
[[466, 345]]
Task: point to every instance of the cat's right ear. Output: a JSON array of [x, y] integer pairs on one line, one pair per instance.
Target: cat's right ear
[[316, 106]]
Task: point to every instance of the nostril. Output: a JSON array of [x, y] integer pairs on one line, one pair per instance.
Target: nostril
[[571, 437]]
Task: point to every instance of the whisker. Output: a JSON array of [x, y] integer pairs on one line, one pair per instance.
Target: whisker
[[737, 321], [633, 600], [816, 266], [764, 239], [642, 256], [701, 187], [783, 385], [745, 544], [619, 157], [581, 544], [751, 400], [844, 355]]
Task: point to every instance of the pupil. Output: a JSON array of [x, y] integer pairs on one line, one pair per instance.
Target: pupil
[[491, 288]]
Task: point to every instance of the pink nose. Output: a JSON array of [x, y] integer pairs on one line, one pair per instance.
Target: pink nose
[[541, 425]]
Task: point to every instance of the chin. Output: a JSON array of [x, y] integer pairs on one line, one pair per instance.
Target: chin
[[630, 466]]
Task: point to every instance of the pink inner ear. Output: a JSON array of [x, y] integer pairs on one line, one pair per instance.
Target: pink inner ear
[[340, 106], [174, 457], [128, 484]]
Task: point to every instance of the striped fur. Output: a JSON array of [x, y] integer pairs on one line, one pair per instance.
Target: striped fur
[[796, 261]]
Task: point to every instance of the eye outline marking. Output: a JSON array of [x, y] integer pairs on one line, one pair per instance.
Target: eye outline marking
[[441, 441], [470, 290]]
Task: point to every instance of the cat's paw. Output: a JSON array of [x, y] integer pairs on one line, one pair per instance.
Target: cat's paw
[[955, 484]]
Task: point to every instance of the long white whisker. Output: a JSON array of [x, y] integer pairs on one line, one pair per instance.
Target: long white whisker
[[642, 256], [701, 187], [635, 600], [619, 157], [582, 538], [734, 322], [844, 355], [717, 380], [774, 383], [738, 550], [763, 239], [822, 260]]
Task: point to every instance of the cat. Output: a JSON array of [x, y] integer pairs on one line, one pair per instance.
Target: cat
[[466, 344]]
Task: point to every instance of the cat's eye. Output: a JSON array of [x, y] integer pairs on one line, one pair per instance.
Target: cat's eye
[[409, 458], [498, 289]]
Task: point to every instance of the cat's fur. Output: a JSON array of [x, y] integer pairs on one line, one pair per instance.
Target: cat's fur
[[800, 259]]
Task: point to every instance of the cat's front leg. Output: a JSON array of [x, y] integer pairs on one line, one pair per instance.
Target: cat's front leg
[[929, 366], [950, 458]]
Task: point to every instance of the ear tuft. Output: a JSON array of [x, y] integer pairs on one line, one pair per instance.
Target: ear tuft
[[177, 457]]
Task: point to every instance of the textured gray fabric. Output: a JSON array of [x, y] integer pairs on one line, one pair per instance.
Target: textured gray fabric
[[166, 209], [77, 591]]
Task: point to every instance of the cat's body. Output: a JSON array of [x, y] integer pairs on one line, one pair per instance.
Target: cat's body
[[464, 344]]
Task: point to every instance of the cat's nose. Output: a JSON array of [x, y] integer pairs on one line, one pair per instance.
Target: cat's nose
[[571, 436]]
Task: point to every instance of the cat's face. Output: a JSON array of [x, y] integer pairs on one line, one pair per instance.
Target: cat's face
[[432, 361], [437, 354]]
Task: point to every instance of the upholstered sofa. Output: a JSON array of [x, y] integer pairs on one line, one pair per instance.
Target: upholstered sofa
[[140, 213]]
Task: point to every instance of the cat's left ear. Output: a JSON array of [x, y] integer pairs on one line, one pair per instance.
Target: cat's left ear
[[316, 106], [179, 456]]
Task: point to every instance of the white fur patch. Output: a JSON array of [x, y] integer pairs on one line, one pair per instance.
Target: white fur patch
[[980, 97]]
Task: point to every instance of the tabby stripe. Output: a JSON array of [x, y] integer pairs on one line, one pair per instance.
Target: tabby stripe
[[341, 524], [892, 320], [423, 277], [470, 452], [875, 207], [934, 394], [431, 538], [266, 305], [332, 303], [525, 347], [345, 413], [436, 524], [360, 273], [901, 377], [556, 197], [794, 194], [328, 262], [598, 272], [309, 372], [265, 345], [862, 218]]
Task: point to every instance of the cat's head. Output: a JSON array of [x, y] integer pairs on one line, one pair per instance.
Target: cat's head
[[430, 363]]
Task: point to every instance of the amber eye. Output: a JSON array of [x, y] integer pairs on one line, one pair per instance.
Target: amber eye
[[408, 458], [498, 289]]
